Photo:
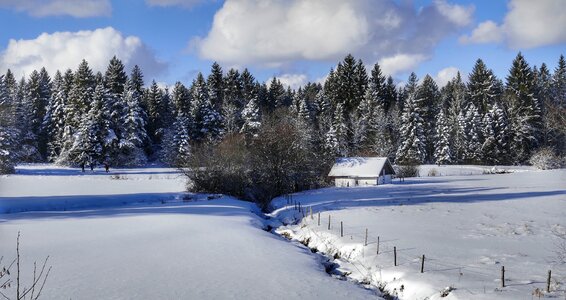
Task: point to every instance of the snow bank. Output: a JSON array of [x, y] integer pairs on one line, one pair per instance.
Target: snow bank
[[199, 250], [467, 227]]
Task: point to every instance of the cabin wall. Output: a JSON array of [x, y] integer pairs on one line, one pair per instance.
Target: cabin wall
[[344, 182]]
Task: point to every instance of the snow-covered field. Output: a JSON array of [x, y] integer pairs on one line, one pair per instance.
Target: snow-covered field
[[130, 235], [467, 227], [198, 250]]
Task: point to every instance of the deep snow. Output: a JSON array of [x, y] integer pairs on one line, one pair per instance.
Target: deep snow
[[129, 234], [177, 250], [467, 227]]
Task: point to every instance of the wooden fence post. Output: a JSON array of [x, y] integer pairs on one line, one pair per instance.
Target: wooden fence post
[[422, 264], [548, 282], [328, 222], [377, 245], [366, 240], [395, 256], [318, 218], [341, 229], [502, 276]]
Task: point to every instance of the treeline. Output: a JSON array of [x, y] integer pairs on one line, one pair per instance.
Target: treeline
[[81, 117]]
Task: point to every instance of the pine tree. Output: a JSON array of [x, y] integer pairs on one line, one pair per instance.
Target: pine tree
[[412, 147], [88, 147], [428, 100], [8, 133], [215, 86], [233, 102], [454, 102], [483, 88], [490, 149], [206, 121], [80, 95], [158, 112], [177, 148], [134, 135], [471, 126], [251, 118], [338, 132], [54, 120], [377, 89], [442, 147], [181, 100], [559, 83], [524, 110]]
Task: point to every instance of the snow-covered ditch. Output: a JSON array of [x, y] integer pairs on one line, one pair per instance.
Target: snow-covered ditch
[[467, 227], [125, 236]]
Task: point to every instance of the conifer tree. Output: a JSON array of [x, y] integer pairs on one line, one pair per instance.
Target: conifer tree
[[442, 147], [428, 100], [483, 88], [471, 126], [215, 86], [8, 133], [206, 121], [134, 135], [251, 118], [180, 100], [523, 110], [412, 147]]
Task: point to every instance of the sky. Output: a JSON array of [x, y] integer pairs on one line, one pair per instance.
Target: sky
[[294, 40]]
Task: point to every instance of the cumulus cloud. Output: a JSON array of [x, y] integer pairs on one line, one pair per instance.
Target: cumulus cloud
[[74, 8], [400, 63], [182, 3], [458, 14], [62, 50], [486, 32], [277, 32], [293, 81], [445, 75], [527, 24]]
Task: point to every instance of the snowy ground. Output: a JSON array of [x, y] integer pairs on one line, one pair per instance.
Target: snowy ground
[[467, 227], [152, 250], [129, 234]]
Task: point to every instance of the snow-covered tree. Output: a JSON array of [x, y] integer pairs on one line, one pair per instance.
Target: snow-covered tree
[[523, 110], [442, 147], [412, 147], [471, 126], [206, 121], [483, 87], [134, 135], [251, 118], [215, 86]]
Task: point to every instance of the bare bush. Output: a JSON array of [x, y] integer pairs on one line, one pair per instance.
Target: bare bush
[[276, 161], [545, 159], [409, 170], [32, 292]]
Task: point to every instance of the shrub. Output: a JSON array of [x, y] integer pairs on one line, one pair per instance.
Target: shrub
[[407, 170], [545, 159]]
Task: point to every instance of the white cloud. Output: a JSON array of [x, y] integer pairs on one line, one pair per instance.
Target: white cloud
[[527, 24], [278, 32], [182, 3], [74, 8], [486, 32], [400, 62], [445, 75], [62, 50], [459, 15], [293, 80]]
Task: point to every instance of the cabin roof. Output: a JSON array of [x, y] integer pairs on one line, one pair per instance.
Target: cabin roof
[[361, 167]]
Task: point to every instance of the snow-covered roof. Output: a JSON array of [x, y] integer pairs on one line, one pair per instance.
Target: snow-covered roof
[[360, 167]]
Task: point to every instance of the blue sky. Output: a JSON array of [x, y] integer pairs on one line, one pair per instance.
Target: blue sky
[[296, 40]]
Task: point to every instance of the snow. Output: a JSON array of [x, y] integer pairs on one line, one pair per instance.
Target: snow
[[358, 166], [177, 250], [468, 227], [130, 235]]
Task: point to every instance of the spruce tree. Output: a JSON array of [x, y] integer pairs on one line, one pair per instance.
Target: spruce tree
[[134, 135], [428, 100], [251, 118], [206, 121], [8, 133], [482, 87], [523, 110], [442, 147], [215, 86], [412, 148]]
